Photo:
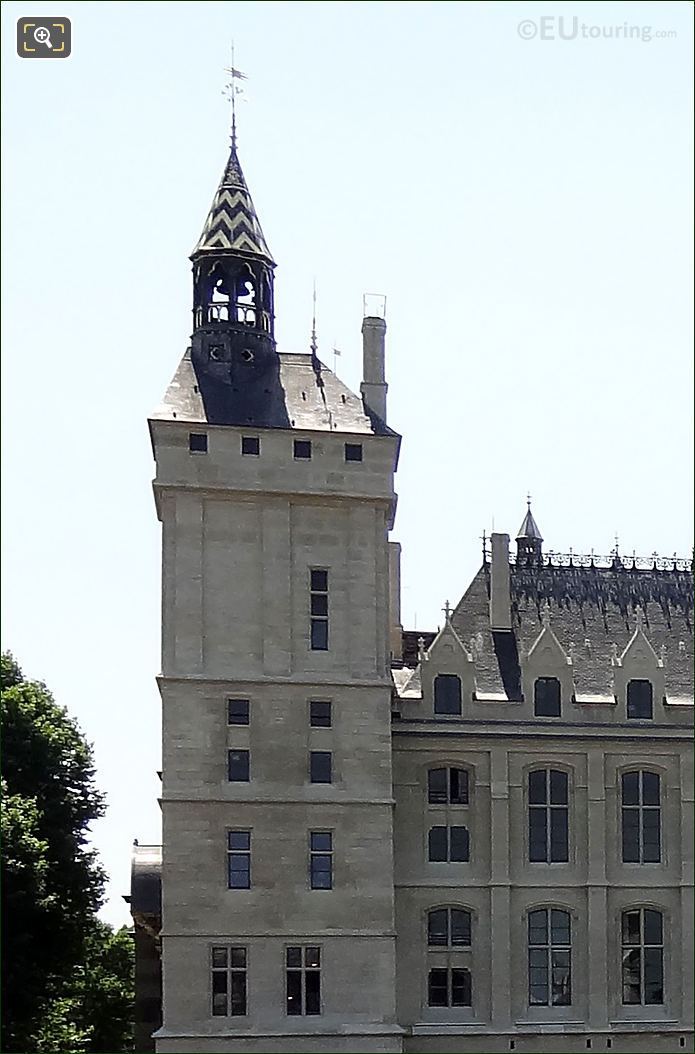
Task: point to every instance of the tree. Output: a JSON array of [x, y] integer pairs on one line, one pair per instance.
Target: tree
[[61, 967]]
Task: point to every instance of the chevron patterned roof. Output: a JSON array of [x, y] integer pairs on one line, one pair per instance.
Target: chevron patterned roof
[[232, 223]]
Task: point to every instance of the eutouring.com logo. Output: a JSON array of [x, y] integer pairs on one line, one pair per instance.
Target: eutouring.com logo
[[563, 27]]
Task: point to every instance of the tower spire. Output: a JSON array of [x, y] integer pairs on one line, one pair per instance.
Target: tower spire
[[231, 90], [314, 343]]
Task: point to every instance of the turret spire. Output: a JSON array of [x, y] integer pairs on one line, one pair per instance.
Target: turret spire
[[529, 540]]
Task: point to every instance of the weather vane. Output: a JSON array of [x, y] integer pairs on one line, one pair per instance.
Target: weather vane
[[230, 92]]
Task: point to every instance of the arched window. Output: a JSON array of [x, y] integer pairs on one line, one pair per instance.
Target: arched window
[[549, 957], [548, 816], [643, 957], [447, 787], [546, 697], [641, 817], [640, 700], [448, 957], [447, 694]]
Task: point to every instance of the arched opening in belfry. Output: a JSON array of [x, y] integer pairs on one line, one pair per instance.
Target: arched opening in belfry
[[246, 297]]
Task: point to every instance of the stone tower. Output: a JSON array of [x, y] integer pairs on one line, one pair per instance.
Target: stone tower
[[274, 488]]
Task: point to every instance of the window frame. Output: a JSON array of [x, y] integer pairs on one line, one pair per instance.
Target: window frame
[[239, 852], [629, 706], [453, 959], [545, 681], [448, 828], [246, 709], [642, 809], [549, 809], [198, 443], [549, 950], [353, 449], [302, 450], [314, 721], [447, 801], [319, 610], [302, 970], [245, 440], [450, 678], [316, 754], [231, 973], [316, 854], [642, 947], [245, 756]]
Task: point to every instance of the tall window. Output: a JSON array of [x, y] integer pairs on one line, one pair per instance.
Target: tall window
[[239, 859], [546, 697], [448, 943], [303, 978], [320, 766], [321, 859], [228, 969], [238, 766], [549, 958], [447, 787], [448, 844], [640, 700], [318, 597], [447, 694], [548, 816], [641, 815], [643, 957]]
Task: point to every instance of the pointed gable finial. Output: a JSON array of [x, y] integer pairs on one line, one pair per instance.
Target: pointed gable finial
[[639, 617], [447, 612], [545, 615]]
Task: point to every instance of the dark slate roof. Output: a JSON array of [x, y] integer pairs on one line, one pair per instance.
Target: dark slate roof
[[591, 608], [146, 880], [301, 393], [529, 528], [232, 223]]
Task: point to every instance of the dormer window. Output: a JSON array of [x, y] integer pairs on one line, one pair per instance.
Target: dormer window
[[546, 697], [447, 694], [640, 700]]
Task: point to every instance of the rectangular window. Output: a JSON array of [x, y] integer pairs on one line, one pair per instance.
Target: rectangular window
[[238, 766], [353, 451], [447, 694], [197, 443], [250, 445], [448, 844], [239, 859], [320, 714], [643, 957], [549, 958], [303, 980], [640, 700], [302, 449], [237, 711], [318, 599], [228, 981], [546, 697], [447, 786], [449, 987], [321, 859], [641, 817], [548, 817], [321, 766]]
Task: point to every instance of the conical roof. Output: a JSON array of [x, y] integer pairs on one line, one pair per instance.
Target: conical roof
[[232, 224], [529, 528]]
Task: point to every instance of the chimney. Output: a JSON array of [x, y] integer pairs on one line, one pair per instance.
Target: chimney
[[395, 627], [374, 386], [500, 595]]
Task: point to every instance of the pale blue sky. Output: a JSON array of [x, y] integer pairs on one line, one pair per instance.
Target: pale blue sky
[[524, 205]]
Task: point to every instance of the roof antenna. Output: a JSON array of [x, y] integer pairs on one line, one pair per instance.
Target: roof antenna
[[230, 92], [314, 343]]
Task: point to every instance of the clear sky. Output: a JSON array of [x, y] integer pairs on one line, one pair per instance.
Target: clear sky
[[524, 204]]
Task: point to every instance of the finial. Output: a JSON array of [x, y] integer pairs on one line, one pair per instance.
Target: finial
[[447, 611], [421, 655], [528, 501], [230, 92], [545, 614], [314, 344], [638, 617]]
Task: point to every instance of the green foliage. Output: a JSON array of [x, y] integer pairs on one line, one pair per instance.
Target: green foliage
[[66, 976]]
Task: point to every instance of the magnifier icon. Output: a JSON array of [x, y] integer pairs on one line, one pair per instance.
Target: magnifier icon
[[42, 36]]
